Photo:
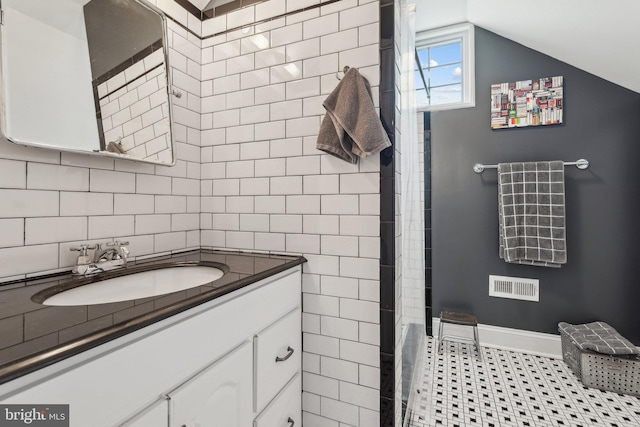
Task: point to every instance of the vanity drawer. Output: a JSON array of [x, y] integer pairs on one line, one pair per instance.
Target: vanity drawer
[[278, 357], [286, 409]]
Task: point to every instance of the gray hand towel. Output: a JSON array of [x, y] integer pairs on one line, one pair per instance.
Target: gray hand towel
[[532, 213], [351, 126]]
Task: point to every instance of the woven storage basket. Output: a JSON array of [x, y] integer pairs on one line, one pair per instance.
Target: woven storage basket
[[620, 374]]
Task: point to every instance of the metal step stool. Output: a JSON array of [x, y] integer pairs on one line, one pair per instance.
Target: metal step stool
[[461, 319]]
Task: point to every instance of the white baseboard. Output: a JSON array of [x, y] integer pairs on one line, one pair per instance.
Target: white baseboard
[[520, 340]]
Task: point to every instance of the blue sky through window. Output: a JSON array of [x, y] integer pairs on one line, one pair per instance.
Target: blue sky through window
[[442, 68], [445, 54]]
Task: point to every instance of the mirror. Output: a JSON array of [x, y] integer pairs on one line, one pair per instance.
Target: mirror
[[87, 76]]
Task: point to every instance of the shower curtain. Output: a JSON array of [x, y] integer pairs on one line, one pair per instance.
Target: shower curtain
[[412, 214]]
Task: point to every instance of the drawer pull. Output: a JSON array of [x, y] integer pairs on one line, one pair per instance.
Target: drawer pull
[[282, 359], [291, 422]]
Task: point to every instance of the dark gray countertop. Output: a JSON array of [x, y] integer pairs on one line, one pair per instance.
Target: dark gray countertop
[[33, 335]]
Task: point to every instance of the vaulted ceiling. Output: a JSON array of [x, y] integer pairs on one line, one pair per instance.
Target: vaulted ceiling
[[597, 36]]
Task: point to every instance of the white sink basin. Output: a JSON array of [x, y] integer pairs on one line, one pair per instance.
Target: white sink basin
[[138, 285]]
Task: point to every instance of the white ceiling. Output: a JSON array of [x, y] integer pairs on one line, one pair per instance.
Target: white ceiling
[[600, 37]]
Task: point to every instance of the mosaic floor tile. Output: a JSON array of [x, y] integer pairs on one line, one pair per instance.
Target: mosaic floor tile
[[510, 389]]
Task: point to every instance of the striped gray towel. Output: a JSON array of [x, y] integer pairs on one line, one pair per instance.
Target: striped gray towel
[[598, 337], [532, 213]]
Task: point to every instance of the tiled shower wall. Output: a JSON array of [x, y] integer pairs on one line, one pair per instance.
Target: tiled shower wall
[[51, 201], [265, 187], [251, 109]]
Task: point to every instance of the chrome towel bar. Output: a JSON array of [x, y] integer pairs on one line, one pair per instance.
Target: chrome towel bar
[[580, 164]]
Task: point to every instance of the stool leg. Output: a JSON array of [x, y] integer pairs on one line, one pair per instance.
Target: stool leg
[[476, 340], [440, 336]]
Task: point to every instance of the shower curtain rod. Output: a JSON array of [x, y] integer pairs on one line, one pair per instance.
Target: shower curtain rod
[[580, 164]]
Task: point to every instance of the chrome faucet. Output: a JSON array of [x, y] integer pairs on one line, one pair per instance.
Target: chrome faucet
[[114, 256], [116, 251]]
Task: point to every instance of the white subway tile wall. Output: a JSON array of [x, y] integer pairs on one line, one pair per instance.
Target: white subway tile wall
[[248, 177], [273, 191]]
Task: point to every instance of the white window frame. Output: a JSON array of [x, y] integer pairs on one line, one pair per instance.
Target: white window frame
[[465, 33]]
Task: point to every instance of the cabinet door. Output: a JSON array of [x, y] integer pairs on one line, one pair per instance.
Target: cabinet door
[[219, 396], [156, 415]]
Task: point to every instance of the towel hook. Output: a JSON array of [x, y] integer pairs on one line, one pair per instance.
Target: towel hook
[[344, 70]]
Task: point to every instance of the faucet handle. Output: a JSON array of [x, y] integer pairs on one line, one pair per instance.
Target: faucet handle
[[123, 251], [82, 249]]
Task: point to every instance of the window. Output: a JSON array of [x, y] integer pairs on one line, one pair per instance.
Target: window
[[445, 70]]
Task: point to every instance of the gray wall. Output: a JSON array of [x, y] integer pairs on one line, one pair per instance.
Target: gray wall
[[602, 124]]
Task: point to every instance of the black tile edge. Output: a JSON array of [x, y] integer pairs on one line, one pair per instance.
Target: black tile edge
[[386, 412], [190, 7], [387, 243], [388, 72], [387, 216], [428, 273], [388, 373], [387, 25], [388, 110], [387, 287], [387, 210], [387, 331]]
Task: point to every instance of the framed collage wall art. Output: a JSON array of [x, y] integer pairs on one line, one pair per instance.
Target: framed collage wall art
[[527, 103]]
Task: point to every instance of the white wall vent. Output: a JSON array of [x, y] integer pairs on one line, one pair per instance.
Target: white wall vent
[[514, 288]]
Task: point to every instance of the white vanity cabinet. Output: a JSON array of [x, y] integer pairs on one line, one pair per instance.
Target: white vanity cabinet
[[213, 365]]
